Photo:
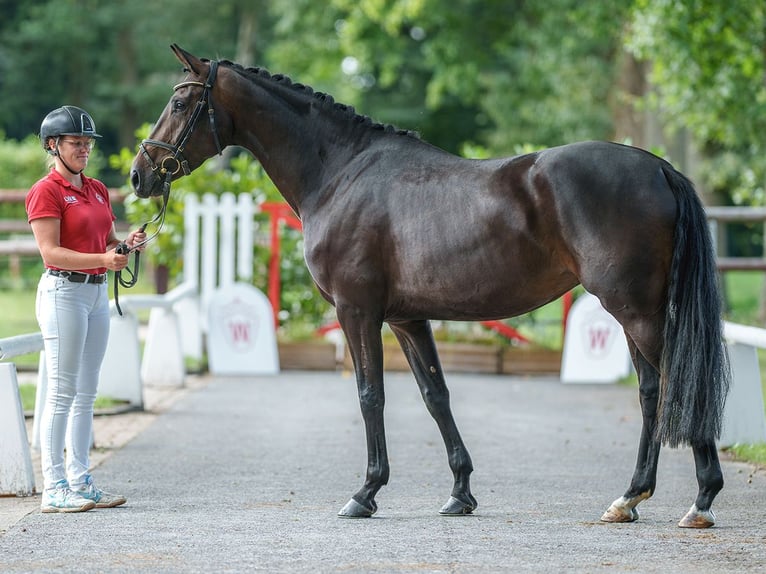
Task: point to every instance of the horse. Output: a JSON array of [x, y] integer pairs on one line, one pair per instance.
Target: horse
[[399, 231]]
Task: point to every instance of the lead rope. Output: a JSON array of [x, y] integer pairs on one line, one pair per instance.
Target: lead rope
[[123, 249]]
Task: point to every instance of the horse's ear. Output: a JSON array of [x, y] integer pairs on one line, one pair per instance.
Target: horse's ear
[[192, 63]]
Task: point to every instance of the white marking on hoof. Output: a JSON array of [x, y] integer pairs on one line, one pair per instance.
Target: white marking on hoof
[[621, 510], [696, 518]]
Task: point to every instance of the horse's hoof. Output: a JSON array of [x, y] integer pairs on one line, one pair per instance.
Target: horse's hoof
[[696, 518], [618, 512], [354, 509], [455, 507]]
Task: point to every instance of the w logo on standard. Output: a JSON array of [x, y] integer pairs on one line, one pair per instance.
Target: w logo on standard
[[599, 335], [241, 337], [595, 350], [241, 328]]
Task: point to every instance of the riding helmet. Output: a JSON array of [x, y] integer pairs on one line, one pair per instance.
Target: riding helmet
[[67, 121]]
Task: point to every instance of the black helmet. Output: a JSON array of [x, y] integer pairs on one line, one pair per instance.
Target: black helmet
[[67, 121]]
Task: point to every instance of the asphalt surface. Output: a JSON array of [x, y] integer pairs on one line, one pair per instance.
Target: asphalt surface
[[245, 475]]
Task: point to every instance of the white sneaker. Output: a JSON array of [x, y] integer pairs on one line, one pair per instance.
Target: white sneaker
[[100, 498], [61, 498]]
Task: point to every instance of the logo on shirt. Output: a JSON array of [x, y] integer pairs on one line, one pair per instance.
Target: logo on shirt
[[100, 199], [70, 199]]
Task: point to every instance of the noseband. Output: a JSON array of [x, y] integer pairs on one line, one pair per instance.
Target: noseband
[[172, 164]]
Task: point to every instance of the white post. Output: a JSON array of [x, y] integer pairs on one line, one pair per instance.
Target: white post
[[743, 420], [245, 235], [163, 362], [226, 240], [17, 475], [120, 371], [191, 239], [209, 248]]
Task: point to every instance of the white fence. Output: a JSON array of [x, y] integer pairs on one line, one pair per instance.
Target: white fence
[[744, 420]]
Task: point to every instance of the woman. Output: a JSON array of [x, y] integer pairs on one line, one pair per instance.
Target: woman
[[73, 224]]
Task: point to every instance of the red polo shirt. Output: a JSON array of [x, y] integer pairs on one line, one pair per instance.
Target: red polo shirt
[[85, 214]]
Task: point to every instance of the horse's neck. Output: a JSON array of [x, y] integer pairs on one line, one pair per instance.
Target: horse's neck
[[299, 149]]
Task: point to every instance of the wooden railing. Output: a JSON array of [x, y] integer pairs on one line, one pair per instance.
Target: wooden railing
[[718, 216]]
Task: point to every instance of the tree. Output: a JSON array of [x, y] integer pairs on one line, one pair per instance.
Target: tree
[[111, 58], [707, 67], [491, 71]]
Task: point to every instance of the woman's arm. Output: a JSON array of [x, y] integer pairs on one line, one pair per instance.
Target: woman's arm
[[47, 232]]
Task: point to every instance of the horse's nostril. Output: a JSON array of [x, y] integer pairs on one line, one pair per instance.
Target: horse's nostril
[[135, 179]]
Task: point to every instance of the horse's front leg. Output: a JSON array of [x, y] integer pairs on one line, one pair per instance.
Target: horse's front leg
[[417, 342], [366, 348], [645, 475], [710, 481]]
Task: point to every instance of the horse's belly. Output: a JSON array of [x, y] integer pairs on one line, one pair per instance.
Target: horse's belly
[[470, 294]]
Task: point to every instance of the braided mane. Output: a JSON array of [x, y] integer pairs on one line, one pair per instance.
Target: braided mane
[[326, 100]]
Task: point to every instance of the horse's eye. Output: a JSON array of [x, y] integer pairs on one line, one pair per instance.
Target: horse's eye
[[178, 106]]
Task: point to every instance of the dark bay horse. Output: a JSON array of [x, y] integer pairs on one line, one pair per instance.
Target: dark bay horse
[[399, 231]]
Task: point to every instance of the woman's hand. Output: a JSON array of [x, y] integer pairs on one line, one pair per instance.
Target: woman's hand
[[136, 240], [115, 261]]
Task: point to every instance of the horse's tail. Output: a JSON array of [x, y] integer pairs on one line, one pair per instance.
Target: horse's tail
[[695, 372]]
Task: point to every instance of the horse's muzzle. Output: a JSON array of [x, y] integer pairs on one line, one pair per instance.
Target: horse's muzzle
[[141, 186]]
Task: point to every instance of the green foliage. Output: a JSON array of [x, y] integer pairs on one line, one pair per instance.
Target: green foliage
[[708, 68], [21, 163], [423, 65]]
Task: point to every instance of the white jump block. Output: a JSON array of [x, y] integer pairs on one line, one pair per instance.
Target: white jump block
[[189, 313], [163, 362], [17, 477], [120, 371], [595, 349], [744, 421], [241, 335]]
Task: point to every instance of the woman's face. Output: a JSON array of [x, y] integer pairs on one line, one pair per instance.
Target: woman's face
[[74, 150]]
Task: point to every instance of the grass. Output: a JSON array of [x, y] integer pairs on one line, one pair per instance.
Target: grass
[[19, 319], [28, 393]]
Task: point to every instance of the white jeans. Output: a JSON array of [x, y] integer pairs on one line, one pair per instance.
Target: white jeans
[[74, 321]]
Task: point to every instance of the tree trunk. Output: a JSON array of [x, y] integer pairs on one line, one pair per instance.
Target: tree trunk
[[128, 79], [631, 123]]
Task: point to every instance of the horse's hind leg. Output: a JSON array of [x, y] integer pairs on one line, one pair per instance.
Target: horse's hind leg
[[642, 486], [417, 342], [645, 475], [710, 481]]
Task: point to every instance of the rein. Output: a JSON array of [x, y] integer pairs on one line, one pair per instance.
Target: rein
[[169, 166], [124, 249]]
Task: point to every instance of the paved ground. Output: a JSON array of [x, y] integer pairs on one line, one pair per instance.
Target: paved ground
[[242, 475]]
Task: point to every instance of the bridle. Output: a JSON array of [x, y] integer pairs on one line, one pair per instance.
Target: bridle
[[172, 164], [167, 168]]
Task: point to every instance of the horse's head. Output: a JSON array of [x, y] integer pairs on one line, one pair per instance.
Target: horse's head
[[189, 131]]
